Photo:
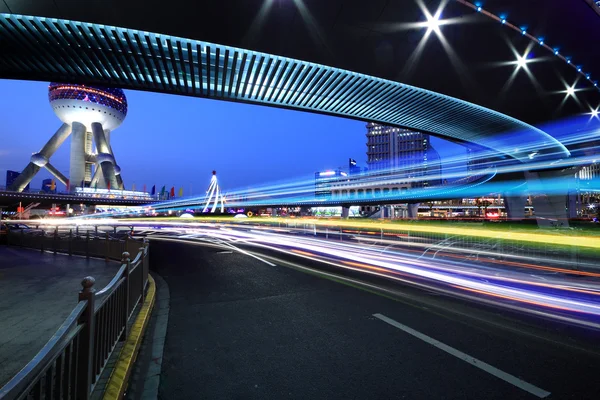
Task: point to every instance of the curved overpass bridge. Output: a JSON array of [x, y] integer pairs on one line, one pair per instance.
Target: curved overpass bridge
[[471, 54], [454, 70], [52, 49]]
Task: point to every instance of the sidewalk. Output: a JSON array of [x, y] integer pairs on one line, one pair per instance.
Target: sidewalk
[[37, 292]]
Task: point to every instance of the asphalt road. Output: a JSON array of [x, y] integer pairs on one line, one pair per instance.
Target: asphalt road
[[241, 329]]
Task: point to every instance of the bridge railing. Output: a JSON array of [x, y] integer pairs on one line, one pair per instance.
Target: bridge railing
[[71, 362], [429, 244], [72, 242]]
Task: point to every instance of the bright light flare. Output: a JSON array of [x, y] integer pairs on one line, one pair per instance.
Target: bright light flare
[[522, 61], [594, 112], [433, 22], [571, 91]]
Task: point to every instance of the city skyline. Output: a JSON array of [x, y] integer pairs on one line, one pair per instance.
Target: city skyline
[[184, 131]]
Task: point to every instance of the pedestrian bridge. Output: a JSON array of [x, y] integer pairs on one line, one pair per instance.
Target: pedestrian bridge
[[63, 50]]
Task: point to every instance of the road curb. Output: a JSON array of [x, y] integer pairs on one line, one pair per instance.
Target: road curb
[[119, 378]]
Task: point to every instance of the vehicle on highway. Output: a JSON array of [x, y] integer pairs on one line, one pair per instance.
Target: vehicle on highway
[[16, 226]]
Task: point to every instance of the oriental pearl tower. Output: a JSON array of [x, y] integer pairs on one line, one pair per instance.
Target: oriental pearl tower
[[89, 114]]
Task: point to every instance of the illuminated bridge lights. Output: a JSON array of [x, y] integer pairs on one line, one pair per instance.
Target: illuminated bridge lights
[[523, 31], [148, 61]]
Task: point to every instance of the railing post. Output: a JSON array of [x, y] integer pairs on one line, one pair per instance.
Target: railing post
[[142, 269], [87, 244], [107, 246], [42, 241], [70, 242], [85, 352], [114, 229], [96, 229], [55, 237], [125, 260]]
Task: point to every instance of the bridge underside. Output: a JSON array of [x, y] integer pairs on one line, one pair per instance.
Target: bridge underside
[[12, 199], [475, 55], [38, 48]]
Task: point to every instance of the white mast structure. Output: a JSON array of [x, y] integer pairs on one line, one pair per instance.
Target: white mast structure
[[214, 195]]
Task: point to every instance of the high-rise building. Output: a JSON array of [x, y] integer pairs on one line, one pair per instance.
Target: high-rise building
[[11, 177], [48, 186], [403, 151]]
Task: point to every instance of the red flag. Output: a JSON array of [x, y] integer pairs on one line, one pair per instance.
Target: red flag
[[173, 192], [108, 186], [68, 186]]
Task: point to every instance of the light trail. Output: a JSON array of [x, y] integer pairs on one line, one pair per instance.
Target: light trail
[[558, 296]]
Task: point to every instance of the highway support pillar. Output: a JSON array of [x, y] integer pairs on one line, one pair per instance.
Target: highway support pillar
[[413, 210], [345, 212], [514, 205], [552, 195]]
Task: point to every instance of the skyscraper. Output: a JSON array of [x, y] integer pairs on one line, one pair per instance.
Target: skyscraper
[[11, 177], [402, 151]]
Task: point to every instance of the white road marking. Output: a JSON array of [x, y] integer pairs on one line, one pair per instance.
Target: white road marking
[[513, 380], [250, 254]]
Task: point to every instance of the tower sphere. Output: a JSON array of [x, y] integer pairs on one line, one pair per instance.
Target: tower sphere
[[88, 104]]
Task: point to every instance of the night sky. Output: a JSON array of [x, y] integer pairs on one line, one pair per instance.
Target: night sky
[[177, 141]]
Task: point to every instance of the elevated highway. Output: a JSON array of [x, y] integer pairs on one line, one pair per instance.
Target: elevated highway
[[11, 198], [459, 188]]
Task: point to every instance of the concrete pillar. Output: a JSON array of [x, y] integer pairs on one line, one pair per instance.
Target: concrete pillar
[[514, 205], [105, 158], [345, 212], [57, 174], [413, 210], [39, 160], [77, 161], [551, 196], [386, 212], [118, 178]]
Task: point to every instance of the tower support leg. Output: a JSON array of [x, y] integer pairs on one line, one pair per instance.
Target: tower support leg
[[105, 158], [77, 161], [39, 160]]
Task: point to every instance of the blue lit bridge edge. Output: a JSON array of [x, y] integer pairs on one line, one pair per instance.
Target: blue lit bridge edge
[[63, 50]]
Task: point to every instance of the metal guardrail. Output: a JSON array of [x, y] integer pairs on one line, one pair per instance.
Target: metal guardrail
[[71, 362], [502, 250]]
